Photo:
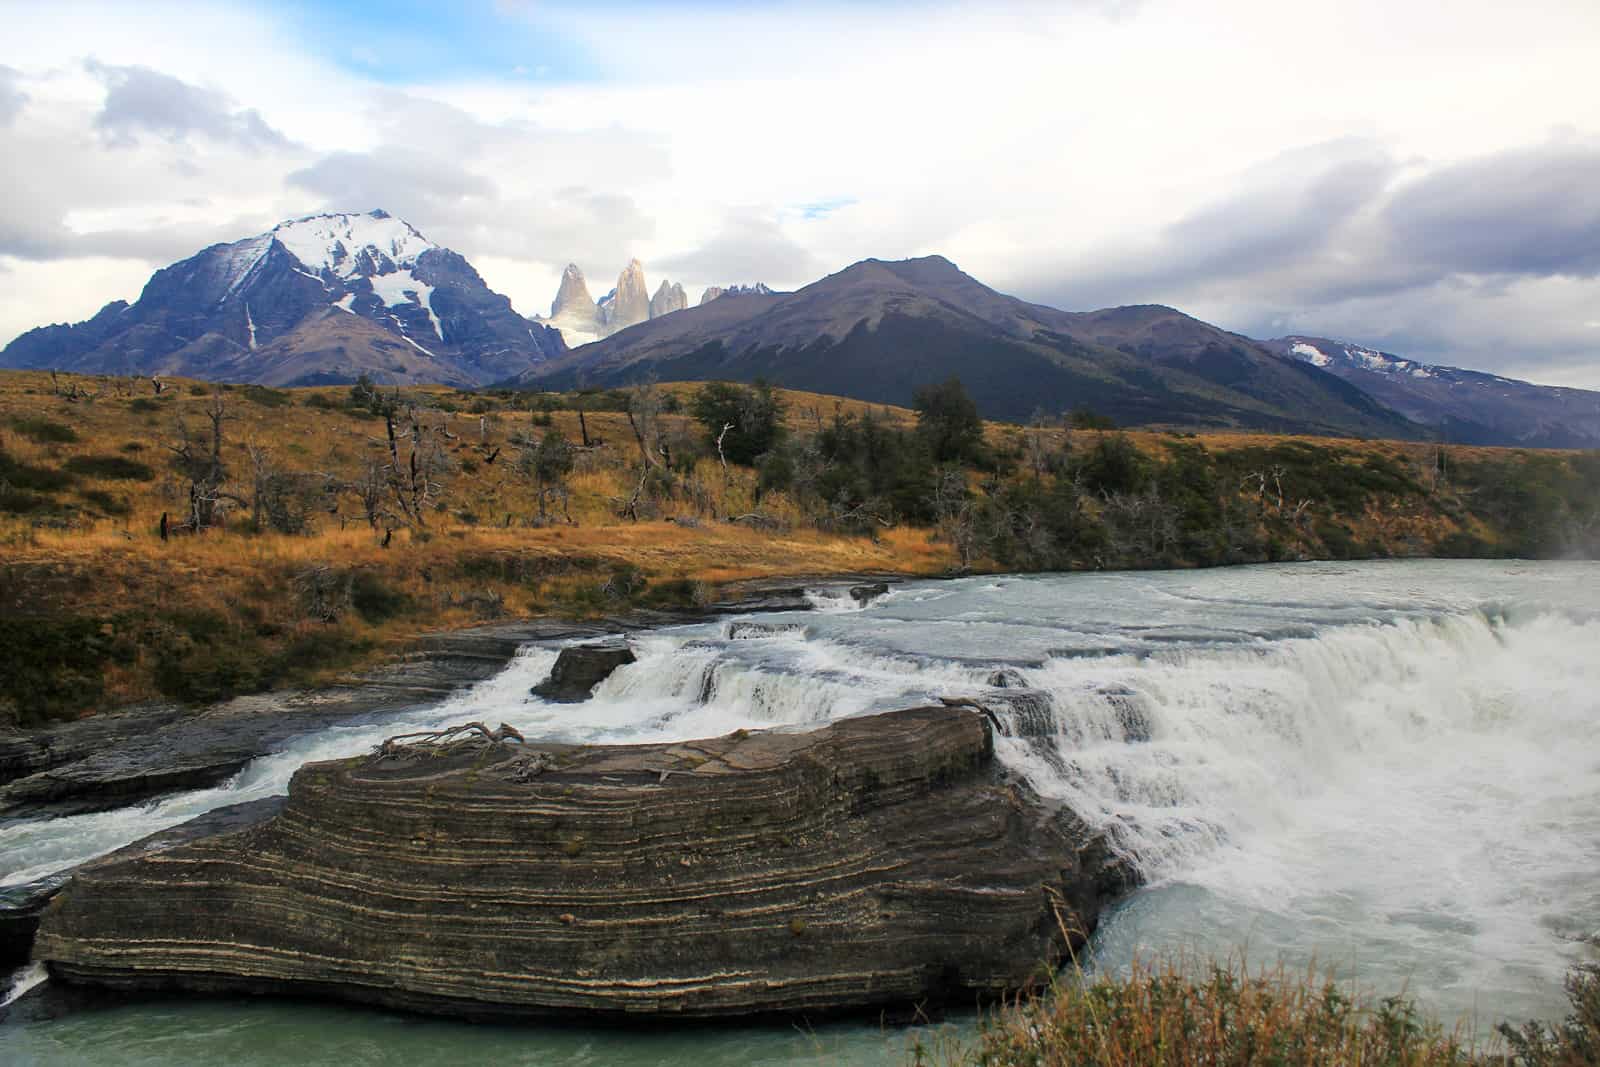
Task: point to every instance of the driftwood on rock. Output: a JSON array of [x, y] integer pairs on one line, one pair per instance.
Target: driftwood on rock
[[406, 745]]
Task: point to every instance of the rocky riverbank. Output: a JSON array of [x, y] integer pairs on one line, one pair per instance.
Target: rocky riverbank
[[112, 760], [881, 860]]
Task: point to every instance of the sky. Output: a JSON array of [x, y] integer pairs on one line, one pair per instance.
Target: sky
[[1418, 177]]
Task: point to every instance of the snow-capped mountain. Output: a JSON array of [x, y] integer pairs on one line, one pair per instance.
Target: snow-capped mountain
[[319, 299], [1463, 406]]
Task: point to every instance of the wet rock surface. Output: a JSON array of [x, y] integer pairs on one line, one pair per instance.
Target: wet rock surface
[[885, 859], [580, 668], [21, 906]]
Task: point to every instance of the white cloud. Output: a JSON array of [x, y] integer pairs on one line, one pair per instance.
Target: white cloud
[[1233, 159]]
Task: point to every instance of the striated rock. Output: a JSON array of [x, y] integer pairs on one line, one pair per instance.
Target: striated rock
[[22, 754], [669, 297], [22, 905], [580, 668], [881, 860]]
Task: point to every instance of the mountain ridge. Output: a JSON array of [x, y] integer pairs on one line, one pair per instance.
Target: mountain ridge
[[1459, 406], [878, 328]]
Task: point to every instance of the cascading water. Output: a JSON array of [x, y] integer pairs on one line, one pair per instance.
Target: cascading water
[[1393, 769]]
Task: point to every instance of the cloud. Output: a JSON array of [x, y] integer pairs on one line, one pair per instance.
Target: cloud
[[749, 247], [144, 101], [12, 99], [1532, 212], [402, 180]]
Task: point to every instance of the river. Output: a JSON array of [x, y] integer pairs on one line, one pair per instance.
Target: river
[[1390, 770]]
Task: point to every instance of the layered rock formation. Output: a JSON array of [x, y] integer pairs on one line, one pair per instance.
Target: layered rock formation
[[884, 859]]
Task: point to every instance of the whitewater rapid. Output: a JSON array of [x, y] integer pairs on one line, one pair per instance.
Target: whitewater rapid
[[1392, 769]]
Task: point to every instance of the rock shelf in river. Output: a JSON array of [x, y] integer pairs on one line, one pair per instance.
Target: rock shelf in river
[[886, 859]]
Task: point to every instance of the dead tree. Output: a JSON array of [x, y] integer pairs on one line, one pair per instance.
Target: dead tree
[[200, 462]]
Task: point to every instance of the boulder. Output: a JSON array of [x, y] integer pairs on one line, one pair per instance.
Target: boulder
[[882, 860], [579, 668], [864, 594]]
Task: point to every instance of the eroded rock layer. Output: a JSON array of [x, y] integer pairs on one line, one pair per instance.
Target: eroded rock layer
[[885, 859]]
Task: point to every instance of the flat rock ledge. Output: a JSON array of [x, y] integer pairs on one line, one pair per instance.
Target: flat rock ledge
[[883, 860]]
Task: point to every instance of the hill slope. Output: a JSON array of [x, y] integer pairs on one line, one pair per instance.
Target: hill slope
[[877, 329], [1463, 406], [258, 310]]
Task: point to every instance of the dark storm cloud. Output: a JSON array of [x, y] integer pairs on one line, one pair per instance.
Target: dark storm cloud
[[144, 101], [1529, 212], [12, 99]]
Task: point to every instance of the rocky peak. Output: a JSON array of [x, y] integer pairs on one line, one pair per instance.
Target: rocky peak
[[573, 294], [669, 297], [631, 304]]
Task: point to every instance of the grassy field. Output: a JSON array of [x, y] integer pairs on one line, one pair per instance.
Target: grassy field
[[301, 574]]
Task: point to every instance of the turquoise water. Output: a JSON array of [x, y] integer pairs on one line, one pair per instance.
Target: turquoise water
[[1391, 769]]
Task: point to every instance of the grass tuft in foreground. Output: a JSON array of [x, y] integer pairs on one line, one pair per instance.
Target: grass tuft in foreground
[[1168, 1015]]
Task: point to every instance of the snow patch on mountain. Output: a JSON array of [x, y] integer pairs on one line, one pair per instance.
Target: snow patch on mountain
[[336, 243], [1311, 354], [402, 287]]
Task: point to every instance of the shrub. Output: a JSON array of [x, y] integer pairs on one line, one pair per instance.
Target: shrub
[[374, 600], [45, 431], [18, 475], [51, 668], [1223, 1017], [267, 398], [105, 502], [119, 468]]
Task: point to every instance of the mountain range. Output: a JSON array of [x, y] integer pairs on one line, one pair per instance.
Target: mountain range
[[327, 298], [877, 329], [1463, 406], [315, 300]]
